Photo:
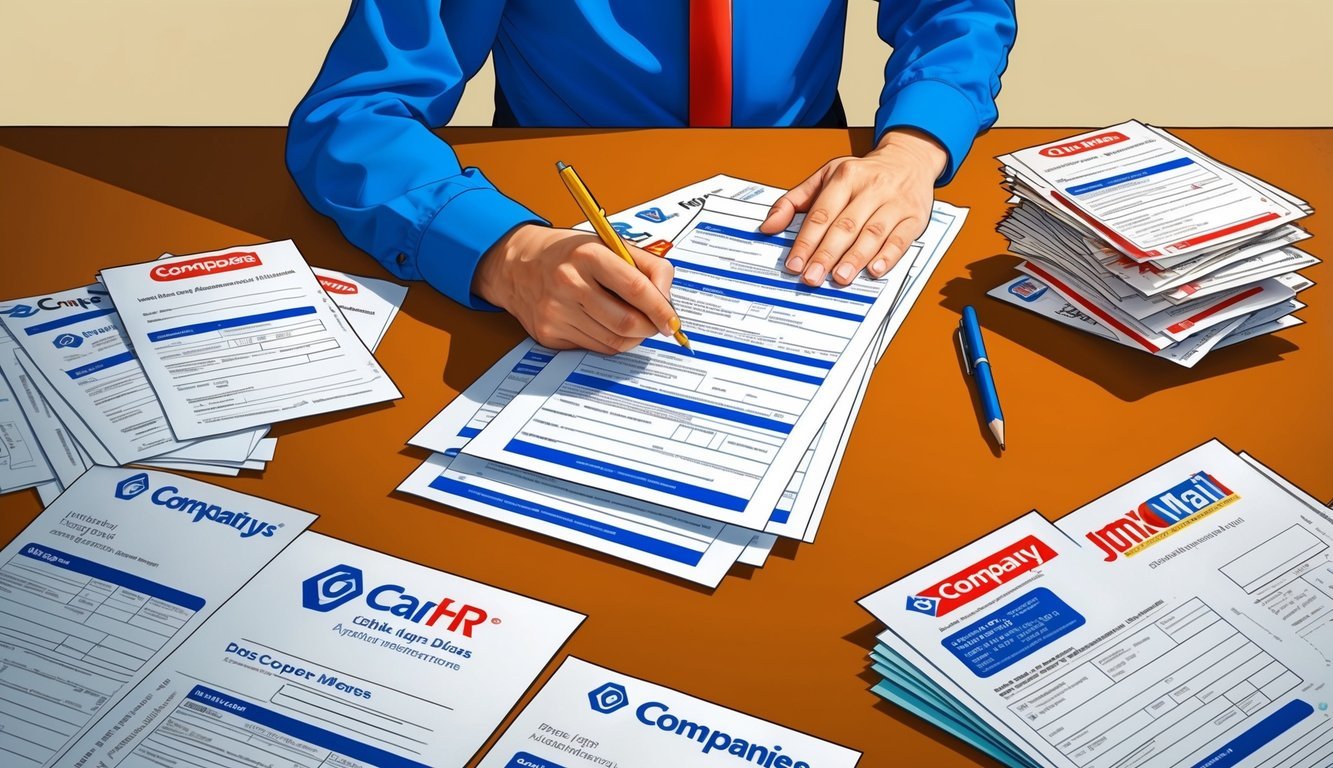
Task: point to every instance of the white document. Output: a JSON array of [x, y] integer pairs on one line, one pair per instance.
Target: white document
[[1183, 619], [22, 463], [243, 337], [336, 655], [76, 342], [718, 433], [1149, 195], [58, 446], [590, 715], [369, 304], [691, 547], [106, 582]]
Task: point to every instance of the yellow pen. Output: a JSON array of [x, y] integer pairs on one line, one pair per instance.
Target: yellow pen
[[596, 216]]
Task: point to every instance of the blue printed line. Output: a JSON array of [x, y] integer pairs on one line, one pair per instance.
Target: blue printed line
[[642, 543], [219, 325], [772, 282], [530, 370], [469, 432], [1111, 181], [1260, 734], [779, 515], [51, 325], [755, 349], [58, 559], [731, 361], [671, 401], [537, 357], [754, 237], [334, 742], [811, 308], [104, 363], [631, 476]]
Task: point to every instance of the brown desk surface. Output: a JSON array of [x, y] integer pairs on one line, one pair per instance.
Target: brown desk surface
[[786, 642]]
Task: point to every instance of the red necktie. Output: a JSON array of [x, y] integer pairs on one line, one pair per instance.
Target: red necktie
[[710, 63]]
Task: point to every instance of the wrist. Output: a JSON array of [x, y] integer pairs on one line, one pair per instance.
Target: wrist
[[919, 145], [493, 280]]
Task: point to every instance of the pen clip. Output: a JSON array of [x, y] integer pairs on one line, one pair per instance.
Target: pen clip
[[962, 349]]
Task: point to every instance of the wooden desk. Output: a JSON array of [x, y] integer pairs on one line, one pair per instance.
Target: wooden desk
[[786, 642]]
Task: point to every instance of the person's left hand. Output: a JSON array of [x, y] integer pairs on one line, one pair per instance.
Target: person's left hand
[[862, 212]]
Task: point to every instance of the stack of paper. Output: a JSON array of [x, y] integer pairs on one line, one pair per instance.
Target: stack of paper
[[1131, 234], [1184, 619], [685, 463], [76, 391]]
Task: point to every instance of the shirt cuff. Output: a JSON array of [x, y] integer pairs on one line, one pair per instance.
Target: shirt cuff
[[460, 234], [937, 108]]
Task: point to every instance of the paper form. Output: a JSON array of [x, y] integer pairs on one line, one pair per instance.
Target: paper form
[[241, 338], [22, 463], [369, 304], [1191, 626], [74, 339], [106, 582], [336, 655], [57, 445], [718, 433], [687, 546], [1148, 195], [590, 715]]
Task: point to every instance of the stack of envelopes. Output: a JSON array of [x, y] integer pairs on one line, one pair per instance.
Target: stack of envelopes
[[684, 462], [75, 392], [1131, 234]]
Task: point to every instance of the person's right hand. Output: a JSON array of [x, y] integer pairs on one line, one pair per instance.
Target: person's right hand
[[569, 290]]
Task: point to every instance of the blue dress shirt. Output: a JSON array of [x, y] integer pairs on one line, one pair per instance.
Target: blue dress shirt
[[360, 145]]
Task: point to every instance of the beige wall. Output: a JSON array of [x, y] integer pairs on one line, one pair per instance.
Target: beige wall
[[1077, 62]]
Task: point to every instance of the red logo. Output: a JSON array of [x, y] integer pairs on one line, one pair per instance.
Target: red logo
[[207, 265], [334, 285], [982, 577], [659, 247], [1083, 145]]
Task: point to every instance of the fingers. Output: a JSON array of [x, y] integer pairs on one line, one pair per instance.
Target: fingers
[[620, 321], [895, 245], [797, 199], [637, 290], [658, 269], [831, 227]]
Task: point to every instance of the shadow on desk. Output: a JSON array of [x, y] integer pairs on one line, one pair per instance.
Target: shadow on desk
[[1126, 373]]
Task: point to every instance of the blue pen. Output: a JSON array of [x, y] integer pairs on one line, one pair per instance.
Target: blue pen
[[974, 356]]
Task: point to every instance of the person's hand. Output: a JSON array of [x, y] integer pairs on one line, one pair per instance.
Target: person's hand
[[569, 290], [862, 212]]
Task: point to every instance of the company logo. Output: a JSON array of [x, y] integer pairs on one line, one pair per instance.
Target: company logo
[[655, 215], [981, 577], [1162, 515], [658, 247], [611, 697], [1084, 145], [608, 697], [325, 591], [627, 232], [1028, 289], [206, 265], [338, 585], [67, 341], [169, 496], [20, 310], [132, 486], [336, 286]]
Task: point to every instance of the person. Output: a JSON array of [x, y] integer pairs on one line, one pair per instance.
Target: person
[[361, 149]]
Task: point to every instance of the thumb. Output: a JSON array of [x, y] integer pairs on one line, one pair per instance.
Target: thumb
[[797, 199]]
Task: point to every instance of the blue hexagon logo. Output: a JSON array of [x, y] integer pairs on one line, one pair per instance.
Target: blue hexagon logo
[[325, 591], [132, 486], [608, 697]]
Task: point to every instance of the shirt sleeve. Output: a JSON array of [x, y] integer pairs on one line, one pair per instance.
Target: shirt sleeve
[[360, 145], [945, 69]]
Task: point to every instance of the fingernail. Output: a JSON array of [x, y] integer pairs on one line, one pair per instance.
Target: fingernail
[[845, 273], [814, 274], [878, 266], [795, 263]]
